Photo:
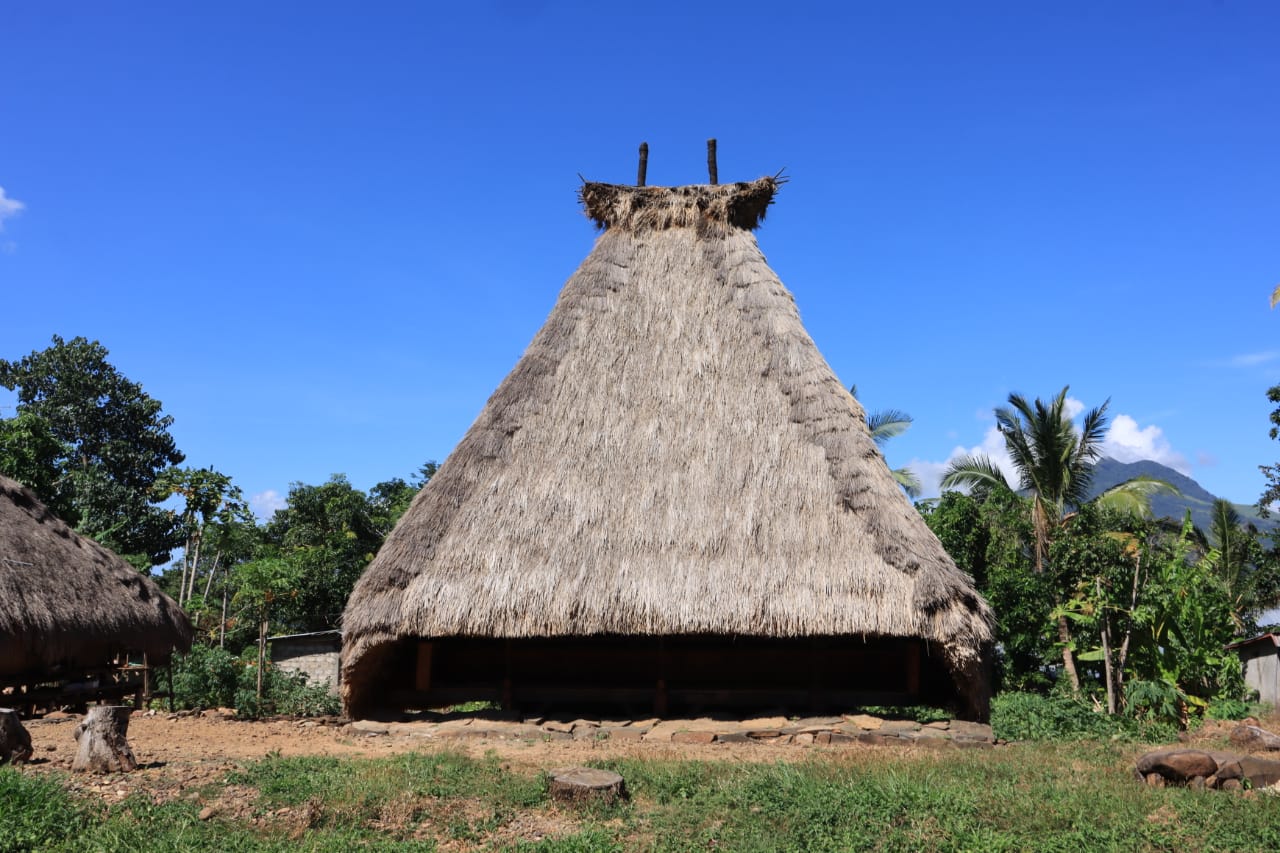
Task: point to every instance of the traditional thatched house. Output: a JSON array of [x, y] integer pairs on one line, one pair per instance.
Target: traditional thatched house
[[671, 500], [67, 604]]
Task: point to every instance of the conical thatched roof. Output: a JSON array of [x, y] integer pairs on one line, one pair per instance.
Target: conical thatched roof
[[671, 456], [66, 600]]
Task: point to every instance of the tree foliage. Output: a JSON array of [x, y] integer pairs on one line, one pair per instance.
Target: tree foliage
[[91, 443]]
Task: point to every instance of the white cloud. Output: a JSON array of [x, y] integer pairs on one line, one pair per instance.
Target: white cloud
[[1072, 407], [265, 504], [1127, 442], [1253, 359], [8, 207], [930, 473]]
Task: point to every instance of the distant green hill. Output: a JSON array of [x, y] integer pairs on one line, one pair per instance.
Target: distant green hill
[[1195, 497]]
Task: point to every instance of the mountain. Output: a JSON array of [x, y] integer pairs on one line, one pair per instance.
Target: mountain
[[1108, 473]]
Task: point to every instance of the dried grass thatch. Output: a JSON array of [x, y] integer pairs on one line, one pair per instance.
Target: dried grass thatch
[[671, 456], [66, 601]]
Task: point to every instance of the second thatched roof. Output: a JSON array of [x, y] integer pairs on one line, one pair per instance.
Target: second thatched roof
[[67, 602], [671, 456]]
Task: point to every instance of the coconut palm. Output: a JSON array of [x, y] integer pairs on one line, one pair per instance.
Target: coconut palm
[[884, 425], [1054, 463]]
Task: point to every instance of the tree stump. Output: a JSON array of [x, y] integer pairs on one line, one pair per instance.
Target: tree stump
[[15, 741], [585, 784], [103, 747]]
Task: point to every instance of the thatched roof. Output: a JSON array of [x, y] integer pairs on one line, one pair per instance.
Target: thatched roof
[[66, 600], [671, 456]]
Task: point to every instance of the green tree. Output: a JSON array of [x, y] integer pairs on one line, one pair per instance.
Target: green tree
[[329, 533], [95, 443], [1054, 465], [1250, 576], [218, 531], [989, 535]]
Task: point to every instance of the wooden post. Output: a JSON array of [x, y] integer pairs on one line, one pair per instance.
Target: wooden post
[[15, 741], [711, 162], [103, 746], [644, 164]]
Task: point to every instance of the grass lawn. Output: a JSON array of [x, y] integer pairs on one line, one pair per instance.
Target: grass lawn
[[1070, 797]]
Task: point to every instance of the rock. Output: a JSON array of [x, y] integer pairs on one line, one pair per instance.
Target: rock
[[864, 721], [370, 727], [816, 724], [896, 726], [927, 733], [764, 734], [693, 737], [733, 737], [877, 739], [557, 726], [1254, 739], [803, 738], [585, 784], [940, 725], [546, 735], [207, 812], [1260, 772], [627, 734], [1177, 765], [964, 728], [972, 743]]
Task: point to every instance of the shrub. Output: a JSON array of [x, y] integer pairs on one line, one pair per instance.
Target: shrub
[[209, 677], [1030, 716], [205, 677]]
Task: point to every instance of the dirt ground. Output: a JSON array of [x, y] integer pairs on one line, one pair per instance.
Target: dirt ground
[[178, 756]]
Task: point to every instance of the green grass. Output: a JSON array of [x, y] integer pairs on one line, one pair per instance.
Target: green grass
[[1072, 797]]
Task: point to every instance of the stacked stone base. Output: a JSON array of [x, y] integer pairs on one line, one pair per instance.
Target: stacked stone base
[[817, 731]]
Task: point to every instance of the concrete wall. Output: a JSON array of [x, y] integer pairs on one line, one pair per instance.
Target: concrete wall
[[317, 657], [1262, 671]]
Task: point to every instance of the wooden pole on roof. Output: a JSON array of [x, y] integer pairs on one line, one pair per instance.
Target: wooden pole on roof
[[644, 164], [711, 161]]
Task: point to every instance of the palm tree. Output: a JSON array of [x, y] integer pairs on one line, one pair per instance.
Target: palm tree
[[1055, 465], [884, 425]]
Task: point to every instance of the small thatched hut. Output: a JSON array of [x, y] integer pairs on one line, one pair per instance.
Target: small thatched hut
[[69, 604], [671, 500]]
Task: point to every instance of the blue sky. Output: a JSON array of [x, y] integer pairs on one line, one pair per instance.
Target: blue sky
[[321, 233]]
